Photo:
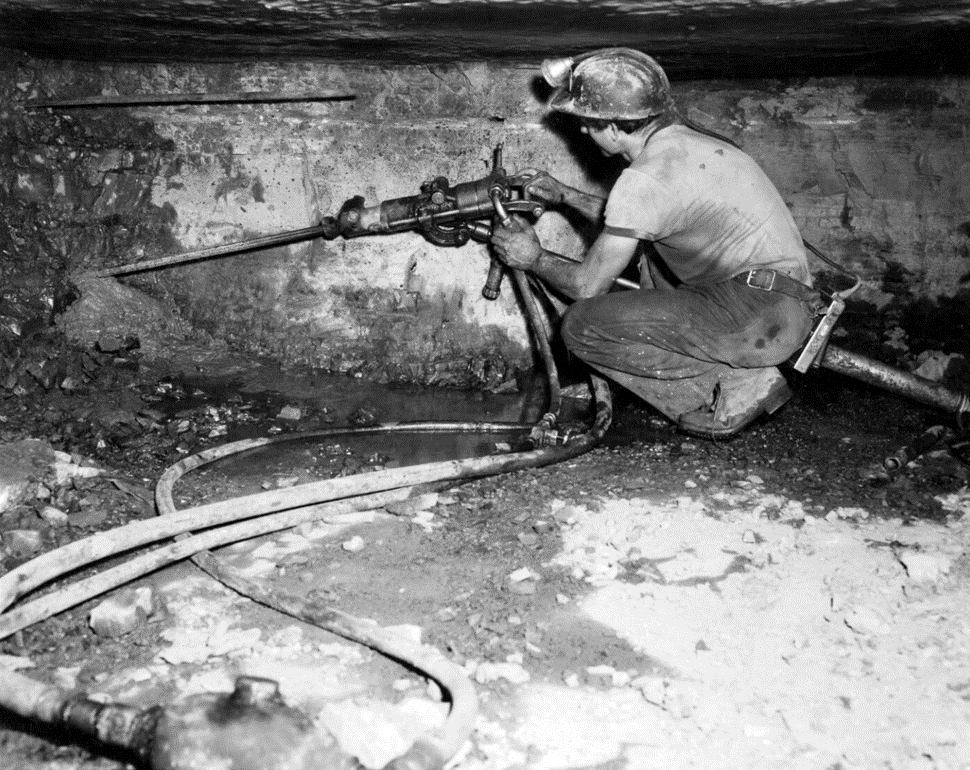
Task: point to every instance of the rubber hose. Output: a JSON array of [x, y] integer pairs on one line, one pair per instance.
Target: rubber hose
[[464, 702], [19, 581], [37, 701], [542, 341], [82, 590], [428, 752]]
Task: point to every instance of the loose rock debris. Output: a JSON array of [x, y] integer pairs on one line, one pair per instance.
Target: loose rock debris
[[657, 601]]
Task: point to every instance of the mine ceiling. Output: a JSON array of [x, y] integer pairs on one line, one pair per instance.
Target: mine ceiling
[[692, 38]]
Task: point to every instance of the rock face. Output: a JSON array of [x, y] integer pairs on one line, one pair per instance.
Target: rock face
[[741, 38], [108, 310], [875, 171]]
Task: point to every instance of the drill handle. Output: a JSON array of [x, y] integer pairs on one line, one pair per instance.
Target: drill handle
[[493, 284]]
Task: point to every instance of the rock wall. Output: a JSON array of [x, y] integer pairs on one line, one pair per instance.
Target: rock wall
[[875, 172]]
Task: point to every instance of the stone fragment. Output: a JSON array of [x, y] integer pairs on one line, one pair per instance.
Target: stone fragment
[[67, 468], [53, 516], [66, 677], [941, 367], [847, 513], [511, 672], [354, 545], [292, 413], [602, 672], [107, 307], [608, 675], [412, 505], [122, 612], [22, 542], [565, 515], [523, 573]]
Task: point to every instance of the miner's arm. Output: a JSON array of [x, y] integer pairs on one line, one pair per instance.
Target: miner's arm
[[518, 246], [547, 188]]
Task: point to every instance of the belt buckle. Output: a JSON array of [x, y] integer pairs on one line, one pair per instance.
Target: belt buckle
[[771, 283]]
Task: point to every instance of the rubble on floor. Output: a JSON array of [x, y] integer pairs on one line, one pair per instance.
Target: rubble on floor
[[764, 602]]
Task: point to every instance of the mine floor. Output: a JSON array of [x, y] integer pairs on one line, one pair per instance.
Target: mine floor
[[661, 601]]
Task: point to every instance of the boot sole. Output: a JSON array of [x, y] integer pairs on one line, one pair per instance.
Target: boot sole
[[772, 404]]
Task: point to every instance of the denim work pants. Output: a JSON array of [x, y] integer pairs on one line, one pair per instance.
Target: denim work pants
[[674, 347]]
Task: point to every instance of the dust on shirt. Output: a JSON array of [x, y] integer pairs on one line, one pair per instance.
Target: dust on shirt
[[710, 210]]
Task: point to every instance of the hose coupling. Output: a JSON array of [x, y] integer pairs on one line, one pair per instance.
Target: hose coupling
[[544, 432]]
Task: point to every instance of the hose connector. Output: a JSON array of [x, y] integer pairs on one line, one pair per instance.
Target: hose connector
[[544, 432]]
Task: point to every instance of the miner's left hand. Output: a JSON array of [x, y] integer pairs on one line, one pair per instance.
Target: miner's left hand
[[517, 244]]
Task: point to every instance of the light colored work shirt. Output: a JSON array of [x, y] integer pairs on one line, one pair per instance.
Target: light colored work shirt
[[710, 210]]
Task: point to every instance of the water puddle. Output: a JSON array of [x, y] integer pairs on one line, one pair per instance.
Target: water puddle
[[326, 426]]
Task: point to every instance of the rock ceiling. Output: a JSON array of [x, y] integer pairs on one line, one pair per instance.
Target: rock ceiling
[[693, 38]]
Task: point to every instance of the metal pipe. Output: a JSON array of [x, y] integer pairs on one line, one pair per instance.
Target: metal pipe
[[325, 230], [240, 97], [922, 444], [902, 383]]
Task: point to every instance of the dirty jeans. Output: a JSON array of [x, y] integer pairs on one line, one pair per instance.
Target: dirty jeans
[[673, 347]]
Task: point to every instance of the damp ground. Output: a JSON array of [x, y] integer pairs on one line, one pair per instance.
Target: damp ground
[[771, 601]]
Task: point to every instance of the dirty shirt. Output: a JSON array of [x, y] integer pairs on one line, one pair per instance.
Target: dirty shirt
[[709, 209]]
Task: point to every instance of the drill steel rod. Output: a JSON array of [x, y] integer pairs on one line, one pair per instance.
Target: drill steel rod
[[895, 380], [238, 247], [131, 100]]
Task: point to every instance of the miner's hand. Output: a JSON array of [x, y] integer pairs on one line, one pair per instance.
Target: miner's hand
[[517, 245], [541, 186]]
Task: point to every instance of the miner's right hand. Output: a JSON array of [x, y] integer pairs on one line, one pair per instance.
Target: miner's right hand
[[541, 186], [517, 244]]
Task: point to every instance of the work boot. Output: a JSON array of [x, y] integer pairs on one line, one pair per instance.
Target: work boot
[[741, 397]]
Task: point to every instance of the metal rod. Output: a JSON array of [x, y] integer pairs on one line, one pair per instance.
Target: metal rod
[[922, 444], [238, 247], [126, 100], [897, 381]]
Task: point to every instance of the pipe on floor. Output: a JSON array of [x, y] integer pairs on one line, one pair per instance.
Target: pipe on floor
[[902, 383]]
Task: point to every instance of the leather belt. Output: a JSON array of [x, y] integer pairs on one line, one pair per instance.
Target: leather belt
[[772, 280]]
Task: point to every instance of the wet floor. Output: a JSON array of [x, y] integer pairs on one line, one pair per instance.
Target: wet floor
[[328, 425]]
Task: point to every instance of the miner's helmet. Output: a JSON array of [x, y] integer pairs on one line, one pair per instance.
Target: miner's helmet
[[608, 84]]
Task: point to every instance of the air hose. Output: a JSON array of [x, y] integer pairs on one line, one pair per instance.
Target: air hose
[[221, 523]]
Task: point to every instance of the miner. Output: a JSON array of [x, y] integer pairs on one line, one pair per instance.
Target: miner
[[725, 292]]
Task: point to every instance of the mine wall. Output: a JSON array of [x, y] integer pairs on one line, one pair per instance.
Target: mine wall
[[876, 172]]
